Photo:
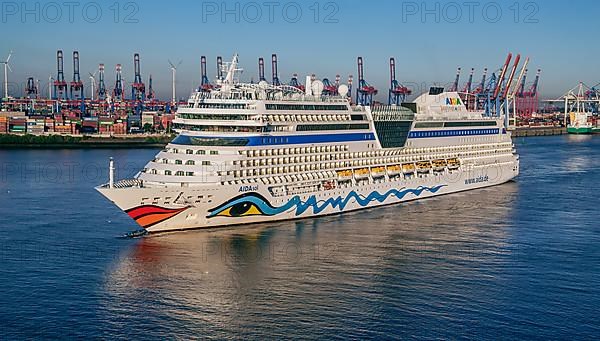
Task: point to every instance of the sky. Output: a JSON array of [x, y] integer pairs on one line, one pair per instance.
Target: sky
[[429, 39]]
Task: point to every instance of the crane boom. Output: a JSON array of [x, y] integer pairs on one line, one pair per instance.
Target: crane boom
[[512, 76], [500, 80]]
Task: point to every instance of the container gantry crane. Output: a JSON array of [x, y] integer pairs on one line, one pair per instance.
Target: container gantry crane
[[261, 70], [364, 92], [350, 83], [31, 90], [151, 95], [468, 86], [398, 92], [118, 91], [521, 91], [296, 83], [76, 84], [205, 84], [275, 70], [60, 85], [101, 83], [220, 68], [138, 88], [527, 101], [454, 87], [329, 89]]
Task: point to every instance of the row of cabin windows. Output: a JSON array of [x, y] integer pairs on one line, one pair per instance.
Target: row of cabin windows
[[187, 163], [305, 107], [278, 168], [216, 128], [223, 117], [202, 152], [221, 105], [304, 153], [197, 152], [276, 118], [445, 133], [178, 173], [290, 151]]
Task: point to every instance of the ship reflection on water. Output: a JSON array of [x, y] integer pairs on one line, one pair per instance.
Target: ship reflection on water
[[224, 282]]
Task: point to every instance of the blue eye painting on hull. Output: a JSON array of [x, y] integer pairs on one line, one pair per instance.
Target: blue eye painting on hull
[[254, 204]]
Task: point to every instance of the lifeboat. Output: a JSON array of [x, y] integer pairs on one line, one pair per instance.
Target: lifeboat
[[362, 173], [345, 175], [423, 167], [378, 172], [453, 163], [408, 168], [439, 165], [394, 170]]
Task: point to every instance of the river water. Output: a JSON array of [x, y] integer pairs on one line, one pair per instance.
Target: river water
[[517, 261]]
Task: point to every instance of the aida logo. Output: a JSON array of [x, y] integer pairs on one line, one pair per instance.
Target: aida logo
[[453, 101]]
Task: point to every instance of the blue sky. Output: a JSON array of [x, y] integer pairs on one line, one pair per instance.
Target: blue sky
[[429, 39]]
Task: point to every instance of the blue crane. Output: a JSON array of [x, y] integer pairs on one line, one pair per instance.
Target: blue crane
[[398, 92]]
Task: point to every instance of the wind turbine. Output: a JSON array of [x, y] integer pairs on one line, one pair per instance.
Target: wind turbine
[[93, 82], [174, 71], [6, 68]]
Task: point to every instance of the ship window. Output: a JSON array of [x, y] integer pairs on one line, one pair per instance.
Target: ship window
[[189, 174], [190, 162], [189, 151], [178, 162], [201, 152], [179, 173], [210, 141], [168, 172], [470, 124], [214, 152], [205, 163]]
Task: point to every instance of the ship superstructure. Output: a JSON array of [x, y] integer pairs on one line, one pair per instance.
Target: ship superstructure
[[250, 153]]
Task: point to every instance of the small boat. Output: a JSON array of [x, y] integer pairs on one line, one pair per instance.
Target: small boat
[[423, 167], [439, 165], [394, 170], [453, 163], [408, 168], [362, 173], [378, 172], [345, 175]]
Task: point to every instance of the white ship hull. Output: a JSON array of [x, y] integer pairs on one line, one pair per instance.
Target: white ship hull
[[255, 153], [159, 217]]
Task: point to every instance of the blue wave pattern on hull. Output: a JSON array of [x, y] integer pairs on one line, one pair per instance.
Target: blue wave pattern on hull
[[340, 203]]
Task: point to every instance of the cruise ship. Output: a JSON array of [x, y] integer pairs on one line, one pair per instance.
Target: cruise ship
[[253, 153]]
